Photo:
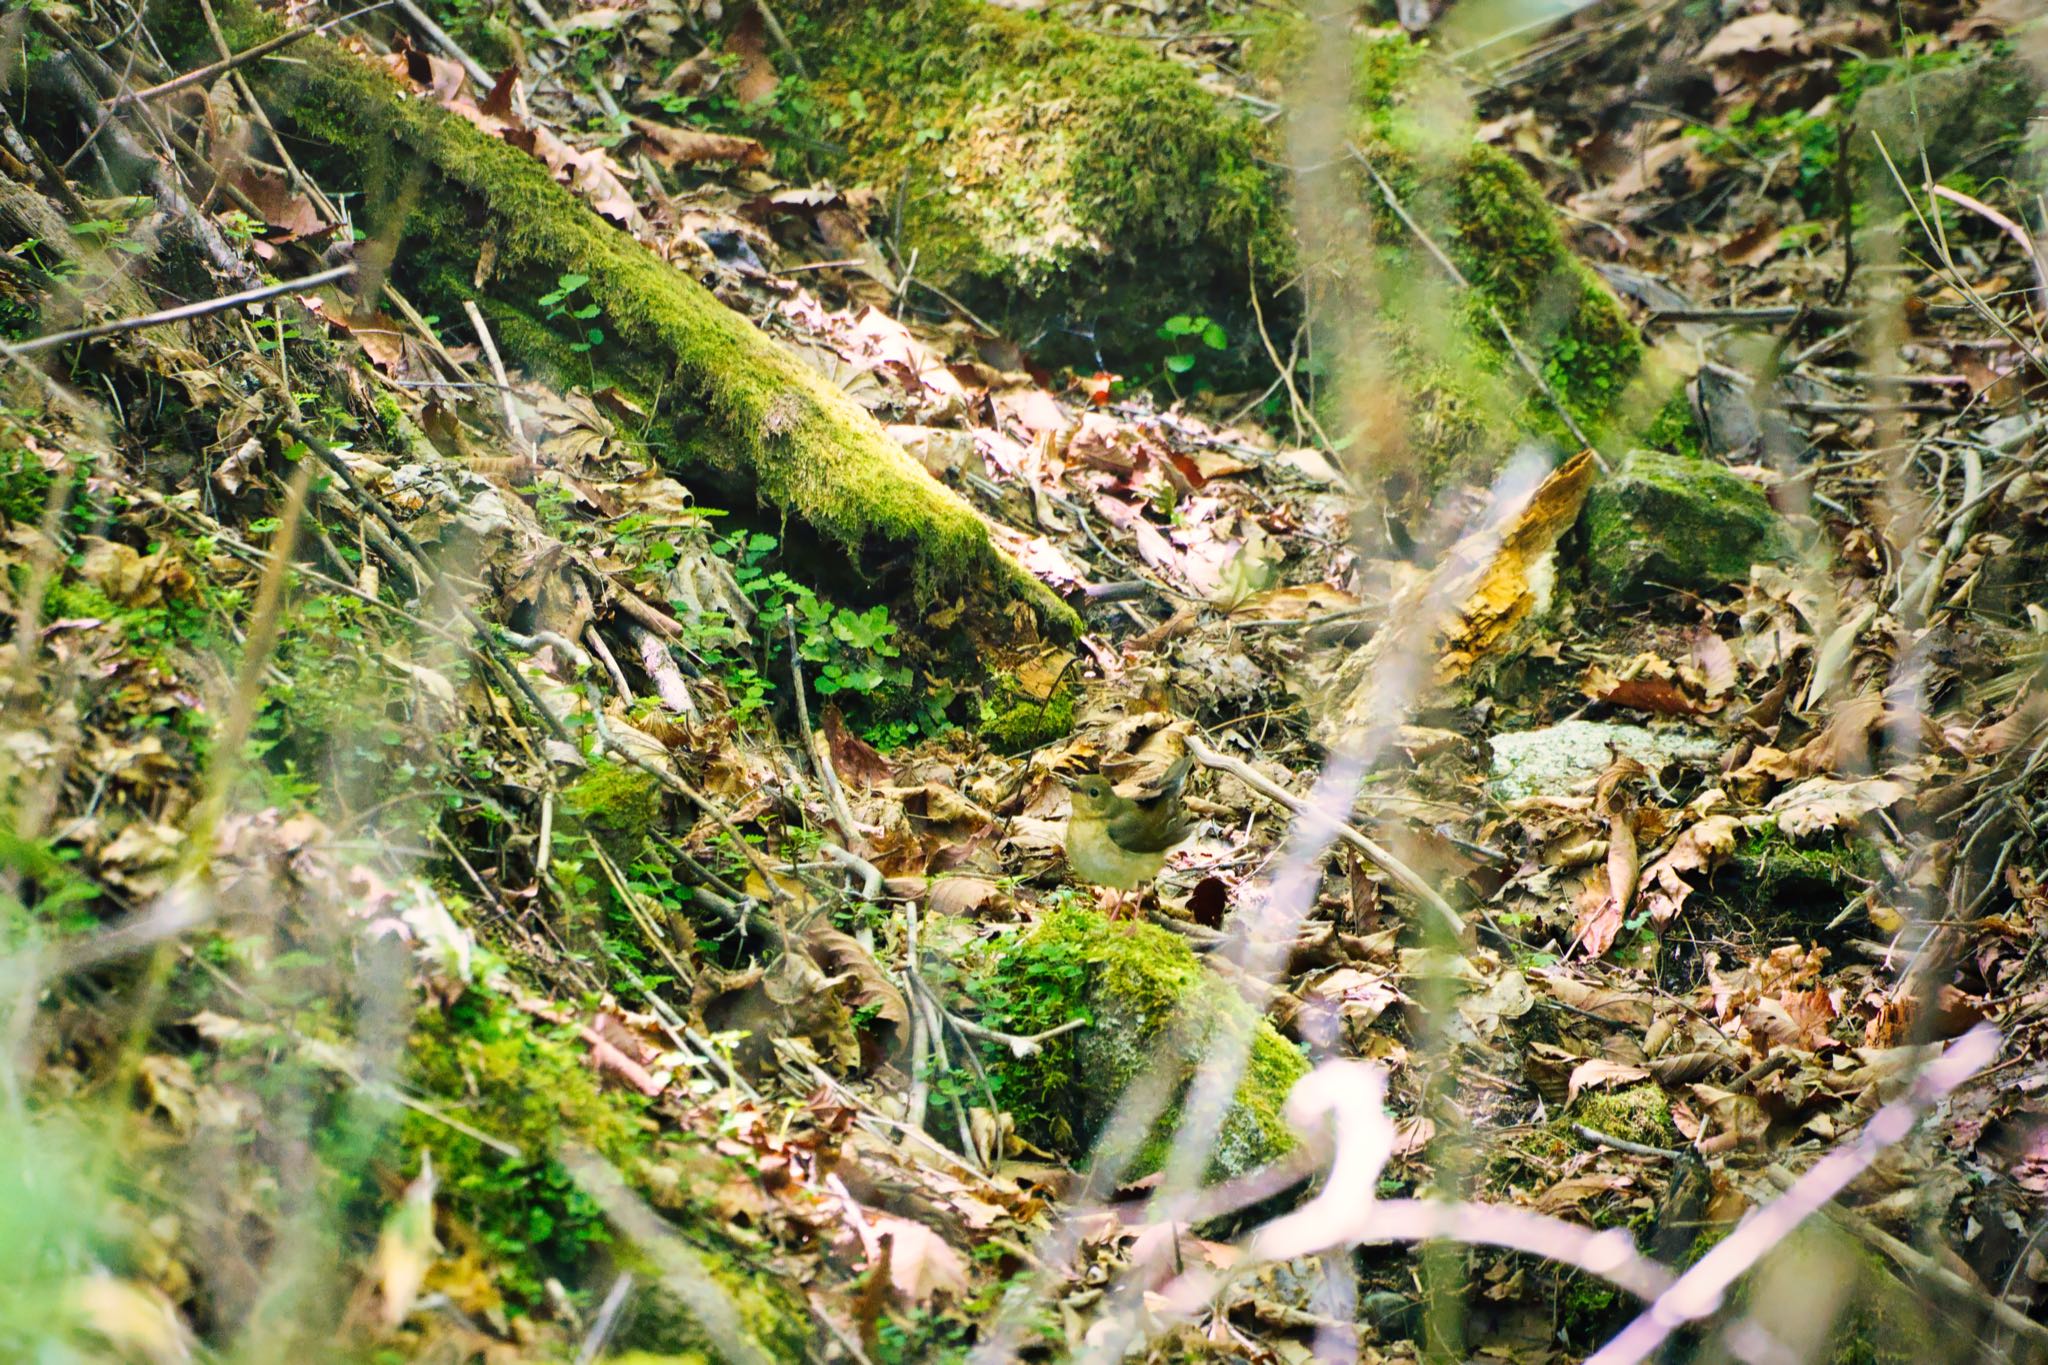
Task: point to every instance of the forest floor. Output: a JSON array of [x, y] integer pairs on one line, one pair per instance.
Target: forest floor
[[575, 911]]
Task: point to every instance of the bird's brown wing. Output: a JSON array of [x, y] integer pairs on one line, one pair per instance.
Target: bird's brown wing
[[1145, 825]]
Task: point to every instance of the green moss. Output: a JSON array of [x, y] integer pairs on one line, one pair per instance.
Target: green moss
[[1636, 1113], [1773, 888], [1661, 521], [1053, 177], [1149, 1003], [618, 798], [501, 1073], [1012, 722], [1586, 1308], [754, 410], [1675, 430]]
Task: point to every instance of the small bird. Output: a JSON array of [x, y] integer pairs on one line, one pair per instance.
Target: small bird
[[1120, 841]]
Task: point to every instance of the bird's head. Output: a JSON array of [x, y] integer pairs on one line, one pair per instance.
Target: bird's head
[[1092, 795]]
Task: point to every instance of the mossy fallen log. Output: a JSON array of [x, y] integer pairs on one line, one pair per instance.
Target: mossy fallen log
[[1080, 190], [483, 220]]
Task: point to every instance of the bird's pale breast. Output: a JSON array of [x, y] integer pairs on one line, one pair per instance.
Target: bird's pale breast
[[1094, 857]]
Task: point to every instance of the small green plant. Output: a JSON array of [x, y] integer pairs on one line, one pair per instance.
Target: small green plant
[[567, 300], [1190, 337], [848, 651]]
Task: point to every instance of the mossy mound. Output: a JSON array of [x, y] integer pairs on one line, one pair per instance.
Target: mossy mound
[[1053, 178], [1773, 888], [506, 1076], [1150, 1003], [729, 401], [1663, 521], [1466, 398], [616, 799], [1081, 190], [1013, 721], [1970, 114], [1636, 1113]]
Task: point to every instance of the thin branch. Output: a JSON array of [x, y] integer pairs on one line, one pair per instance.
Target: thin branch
[[821, 757], [1404, 876], [184, 312], [207, 73]]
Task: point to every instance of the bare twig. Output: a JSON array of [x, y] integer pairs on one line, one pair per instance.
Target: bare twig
[[438, 36], [1404, 876], [820, 756], [282, 40], [1624, 1145], [497, 362], [184, 312]]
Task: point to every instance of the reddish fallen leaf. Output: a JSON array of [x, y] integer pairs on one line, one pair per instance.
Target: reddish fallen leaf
[[858, 763], [1755, 245]]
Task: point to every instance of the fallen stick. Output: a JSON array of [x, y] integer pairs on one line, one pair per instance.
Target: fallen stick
[[1404, 876], [184, 312]]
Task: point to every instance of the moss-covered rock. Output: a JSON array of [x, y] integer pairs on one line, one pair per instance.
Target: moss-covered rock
[[1048, 175], [1636, 1113], [1150, 1003], [1013, 721], [736, 403], [1081, 190], [1973, 113], [1663, 521], [616, 799]]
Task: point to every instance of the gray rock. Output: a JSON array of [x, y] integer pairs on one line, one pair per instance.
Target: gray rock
[[1559, 758], [1954, 112]]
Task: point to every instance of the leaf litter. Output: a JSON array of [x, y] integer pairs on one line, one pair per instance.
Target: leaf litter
[[1748, 939]]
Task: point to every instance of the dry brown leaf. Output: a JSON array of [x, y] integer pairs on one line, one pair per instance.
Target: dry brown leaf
[[965, 896], [1623, 1007], [1701, 848], [1652, 684], [1598, 1073], [841, 954], [1755, 245], [858, 762], [1754, 34], [922, 1265], [674, 147], [1820, 805]]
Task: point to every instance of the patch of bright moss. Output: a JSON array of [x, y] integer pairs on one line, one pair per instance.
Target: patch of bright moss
[[1150, 1002], [1012, 722], [1675, 430], [1636, 1113], [1772, 887], [1661, 521], [507, 1076], [618, 798]]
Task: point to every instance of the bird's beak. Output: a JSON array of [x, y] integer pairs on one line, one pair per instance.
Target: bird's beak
[[1068, 782]]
